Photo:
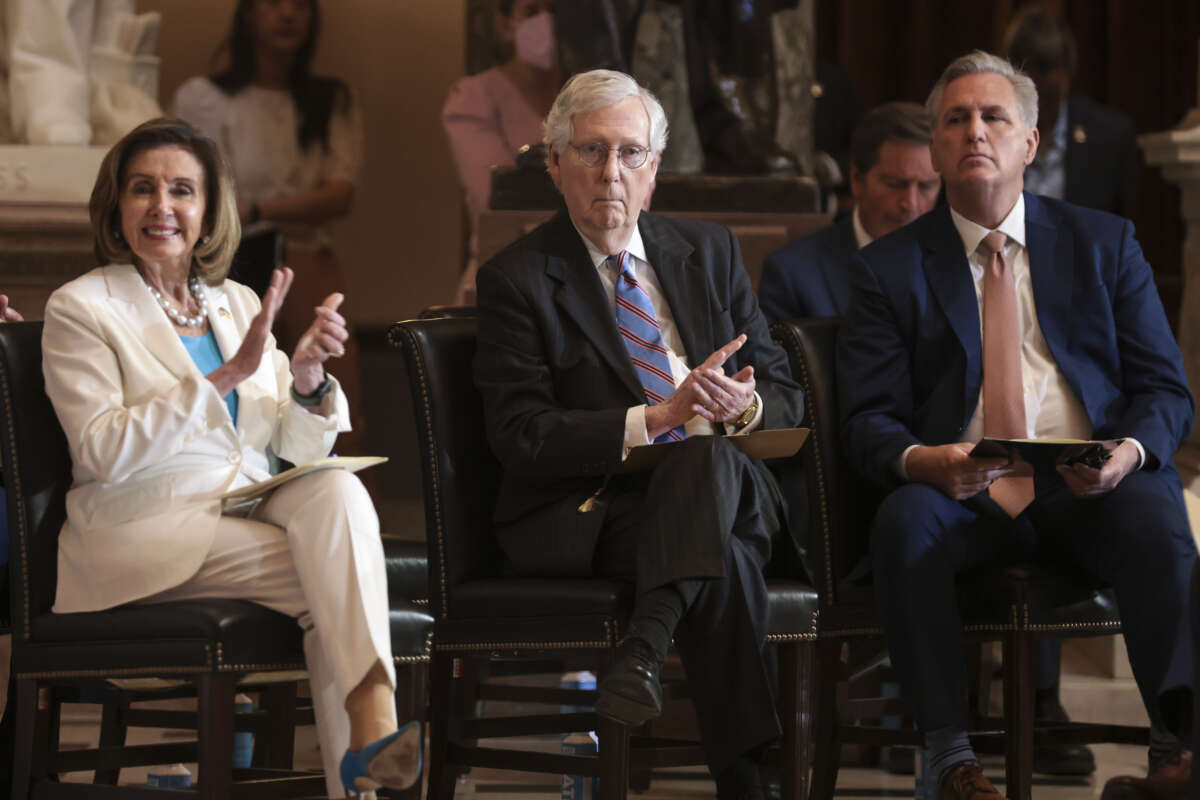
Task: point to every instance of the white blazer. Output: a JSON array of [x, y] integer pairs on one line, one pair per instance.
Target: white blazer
[[152, 443]]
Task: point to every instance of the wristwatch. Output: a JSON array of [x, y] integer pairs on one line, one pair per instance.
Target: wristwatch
[[747, 415], [316, 398]]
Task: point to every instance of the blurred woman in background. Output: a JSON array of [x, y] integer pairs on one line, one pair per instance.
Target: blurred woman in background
[[489, 116], [294, 141]]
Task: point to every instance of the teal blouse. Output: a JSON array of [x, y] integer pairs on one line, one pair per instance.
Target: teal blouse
[[207, 357]]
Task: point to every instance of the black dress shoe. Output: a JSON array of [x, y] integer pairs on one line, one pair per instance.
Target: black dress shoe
[[630, 692], [740, 781], [771, 780], [1050, 758]]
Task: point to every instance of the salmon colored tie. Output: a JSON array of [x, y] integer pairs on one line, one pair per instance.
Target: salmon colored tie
[[1003, 388]]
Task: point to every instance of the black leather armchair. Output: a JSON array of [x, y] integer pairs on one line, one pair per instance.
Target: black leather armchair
[[210, 644], [1018, 604], [481, 615]]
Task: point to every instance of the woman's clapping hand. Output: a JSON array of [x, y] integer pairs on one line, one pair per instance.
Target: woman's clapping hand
[[324, 339], [246, 360]]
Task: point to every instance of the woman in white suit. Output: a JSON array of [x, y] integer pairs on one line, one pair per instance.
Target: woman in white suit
[[169, 387]]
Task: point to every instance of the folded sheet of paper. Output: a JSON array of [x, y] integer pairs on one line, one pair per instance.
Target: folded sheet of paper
[[1048, 452], [778, 443], [247, 496]]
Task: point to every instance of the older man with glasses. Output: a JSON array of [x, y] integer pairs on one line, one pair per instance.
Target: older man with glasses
[[608, 328]]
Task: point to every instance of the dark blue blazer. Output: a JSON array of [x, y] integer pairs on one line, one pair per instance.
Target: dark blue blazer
[[910, 364], [809, 277]]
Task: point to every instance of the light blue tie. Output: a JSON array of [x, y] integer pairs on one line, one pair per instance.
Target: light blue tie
[[643, 339]]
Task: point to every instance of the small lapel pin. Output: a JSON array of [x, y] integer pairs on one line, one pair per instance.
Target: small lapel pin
[[224, 312], [1079, 134]]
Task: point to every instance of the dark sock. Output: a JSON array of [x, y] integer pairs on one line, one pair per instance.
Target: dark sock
[[947, 747], [656, 613]]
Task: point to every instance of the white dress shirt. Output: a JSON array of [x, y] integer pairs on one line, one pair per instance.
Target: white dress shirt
[[1052, 409], [861, 237], [635, 417]]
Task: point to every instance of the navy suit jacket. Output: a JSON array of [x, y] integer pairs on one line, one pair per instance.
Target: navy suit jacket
[[1102, 158], [809, 277], [910, 364]]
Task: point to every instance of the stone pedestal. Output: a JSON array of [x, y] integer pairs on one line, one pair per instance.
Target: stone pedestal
[[45, 235], [1177, 152]]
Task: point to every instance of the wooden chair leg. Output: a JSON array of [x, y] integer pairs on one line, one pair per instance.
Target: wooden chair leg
[[412, 686], [806, 688], [1018, 714], [113, 730], [441, 775], [276, 748], [215, 693], [614, 759], [826, 748], [29, 737], [791, 751]]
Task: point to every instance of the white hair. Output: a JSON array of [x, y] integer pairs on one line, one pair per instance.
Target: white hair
[[600, 88], [978, 62]]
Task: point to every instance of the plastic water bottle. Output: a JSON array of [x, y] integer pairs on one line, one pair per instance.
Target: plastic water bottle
[[926, 785], [580, 743], [169, 776], [243, 741]]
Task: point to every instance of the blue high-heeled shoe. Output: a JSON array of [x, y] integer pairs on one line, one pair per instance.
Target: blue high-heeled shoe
[[393, 762]]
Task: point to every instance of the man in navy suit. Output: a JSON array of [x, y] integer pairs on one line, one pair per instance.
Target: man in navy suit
[[1060, 305], [1087, 152], [893, 183]]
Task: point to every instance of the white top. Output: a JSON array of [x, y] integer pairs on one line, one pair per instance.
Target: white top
[[1051, 408], [635, 417], [256, 131]]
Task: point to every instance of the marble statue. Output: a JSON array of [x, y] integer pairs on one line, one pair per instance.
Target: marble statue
[[79, 72]]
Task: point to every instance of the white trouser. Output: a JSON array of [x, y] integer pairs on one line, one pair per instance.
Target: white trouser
[[312, 551]]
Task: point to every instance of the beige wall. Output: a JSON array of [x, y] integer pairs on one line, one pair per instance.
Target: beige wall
[[401, 245]]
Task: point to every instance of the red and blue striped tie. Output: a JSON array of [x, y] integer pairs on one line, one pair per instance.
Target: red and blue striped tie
[[643, 339]]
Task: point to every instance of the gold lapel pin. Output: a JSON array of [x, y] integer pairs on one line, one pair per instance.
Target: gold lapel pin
[[1079, 134]]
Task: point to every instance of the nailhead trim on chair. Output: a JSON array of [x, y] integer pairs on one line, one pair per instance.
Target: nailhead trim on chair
[[15, 476], [221, 666], [1099, 625], [806, 382], [810, 636], [611, 632], [437, 500], [84, 673], [599, 644], [424, 658]]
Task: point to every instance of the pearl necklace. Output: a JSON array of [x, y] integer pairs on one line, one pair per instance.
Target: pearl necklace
[[177, 316]]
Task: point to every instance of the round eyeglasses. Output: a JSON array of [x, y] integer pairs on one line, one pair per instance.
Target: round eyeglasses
[[593, 154]]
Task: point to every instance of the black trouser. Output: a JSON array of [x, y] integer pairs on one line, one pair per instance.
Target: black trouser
[[706, 512]]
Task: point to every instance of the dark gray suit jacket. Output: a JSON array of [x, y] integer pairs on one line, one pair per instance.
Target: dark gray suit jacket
[[556, 379]]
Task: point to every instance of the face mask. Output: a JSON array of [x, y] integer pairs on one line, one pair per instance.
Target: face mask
[[535, 41]]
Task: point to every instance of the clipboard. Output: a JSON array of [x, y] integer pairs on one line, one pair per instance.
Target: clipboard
[[1048, 452], [249, 495], [777, 443]]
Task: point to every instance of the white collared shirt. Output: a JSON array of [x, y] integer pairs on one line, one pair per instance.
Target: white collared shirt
[[861, 237], [635, 417], [1052, 410]]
